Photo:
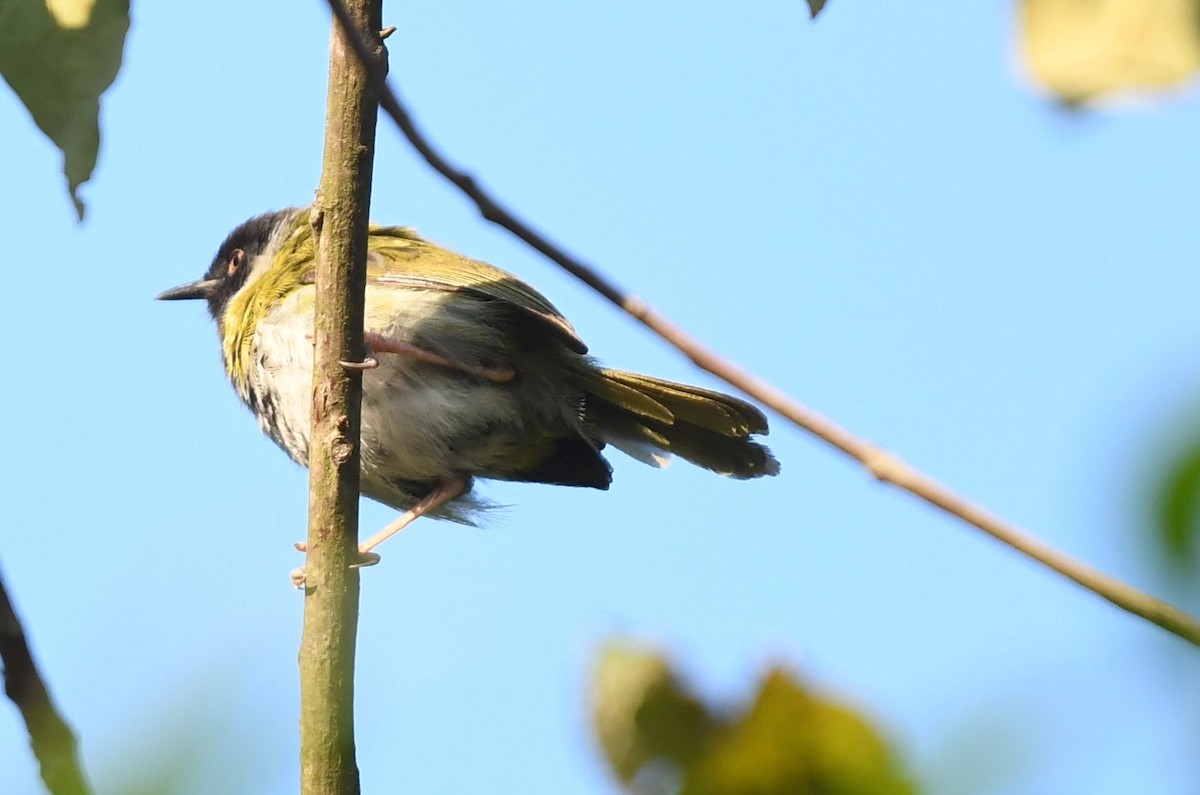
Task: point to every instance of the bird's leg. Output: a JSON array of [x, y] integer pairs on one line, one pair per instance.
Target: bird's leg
[[447, 489], [369, 362], [377, 343]]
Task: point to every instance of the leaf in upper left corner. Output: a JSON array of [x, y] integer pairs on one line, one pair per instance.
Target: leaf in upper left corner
[[59, 56]]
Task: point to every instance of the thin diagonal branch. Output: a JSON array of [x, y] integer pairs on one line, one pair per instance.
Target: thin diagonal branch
[[883, 465], [50, 737]]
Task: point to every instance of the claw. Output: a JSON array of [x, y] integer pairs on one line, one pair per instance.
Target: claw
[[369, 363], [377, 343], [366, 559], [298, 576]]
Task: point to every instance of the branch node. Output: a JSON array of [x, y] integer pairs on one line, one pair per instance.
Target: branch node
[[635, 306], [886, 467], [340, 449]]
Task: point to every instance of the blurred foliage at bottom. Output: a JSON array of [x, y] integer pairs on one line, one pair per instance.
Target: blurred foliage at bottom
[[206, 739], [661, 739]]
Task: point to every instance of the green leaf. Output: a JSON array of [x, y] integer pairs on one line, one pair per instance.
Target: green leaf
[[795, 742], [659, 737], [815, 6], [1177, 507], [644, 714], [59, 56]]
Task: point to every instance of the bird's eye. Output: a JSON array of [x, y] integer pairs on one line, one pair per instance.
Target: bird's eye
[[236, 258]]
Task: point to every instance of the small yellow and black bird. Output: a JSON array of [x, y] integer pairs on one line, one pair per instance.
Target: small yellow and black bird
[[477, 375]]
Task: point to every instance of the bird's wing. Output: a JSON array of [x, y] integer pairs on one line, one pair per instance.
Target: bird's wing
[[399, 257]]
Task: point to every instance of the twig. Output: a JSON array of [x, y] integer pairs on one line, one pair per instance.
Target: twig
[[883, 465], [50, 737], [339, 226]]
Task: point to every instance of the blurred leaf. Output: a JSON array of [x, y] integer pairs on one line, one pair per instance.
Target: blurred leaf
[[815, 6], [59, 56], [791, 741], [204, 740], [1177, 507], [642, 713], [1082, 49], [794, 741]]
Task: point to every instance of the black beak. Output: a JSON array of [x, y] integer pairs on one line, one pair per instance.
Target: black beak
[[199, 289]]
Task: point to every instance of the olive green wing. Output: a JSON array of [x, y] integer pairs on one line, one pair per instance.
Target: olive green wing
[[398, 256]]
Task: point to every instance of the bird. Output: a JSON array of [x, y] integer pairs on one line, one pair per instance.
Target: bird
[[470, 374]]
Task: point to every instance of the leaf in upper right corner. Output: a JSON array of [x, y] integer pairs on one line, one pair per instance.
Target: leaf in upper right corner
[[1085, 50], [815, 7], [794, 741], [59, 56]]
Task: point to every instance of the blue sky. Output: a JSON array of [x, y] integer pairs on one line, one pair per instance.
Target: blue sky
[[873, 212]]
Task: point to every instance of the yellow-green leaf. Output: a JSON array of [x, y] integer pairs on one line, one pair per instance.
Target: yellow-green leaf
[[643, 714], [793, 741], [59, 56], [1084, 49], [1177, 509], [659, 737]]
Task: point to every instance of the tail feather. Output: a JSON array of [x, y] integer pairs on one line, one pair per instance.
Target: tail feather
[[708, 428], [617, 392], [716, 411]]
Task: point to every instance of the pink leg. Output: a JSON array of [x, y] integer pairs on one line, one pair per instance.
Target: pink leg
[[500, 374], [446, 490]]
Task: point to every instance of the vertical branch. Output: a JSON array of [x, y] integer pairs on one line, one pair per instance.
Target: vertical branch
[[339, 223], [49, 735]]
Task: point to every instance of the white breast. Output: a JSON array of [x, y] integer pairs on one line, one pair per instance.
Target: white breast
[[412, 412]]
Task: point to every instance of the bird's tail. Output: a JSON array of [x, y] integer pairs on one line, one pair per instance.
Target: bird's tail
[[649, 418]]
